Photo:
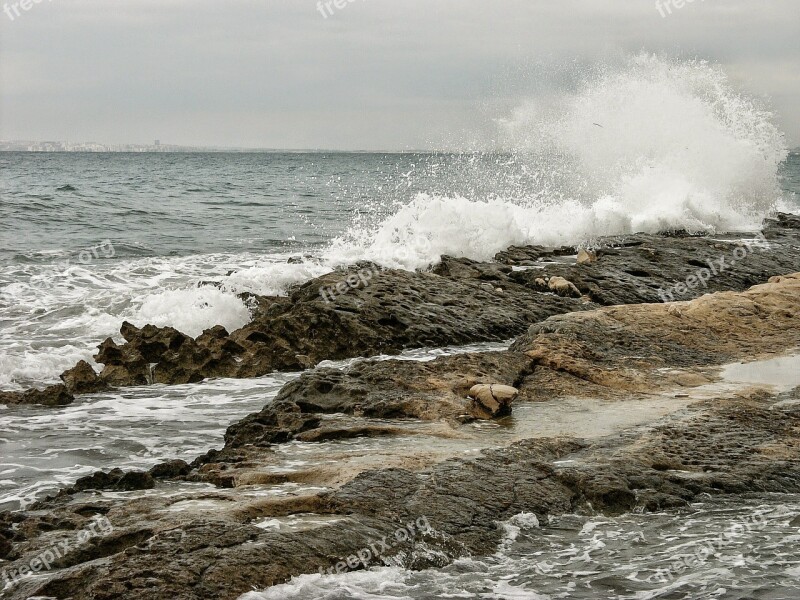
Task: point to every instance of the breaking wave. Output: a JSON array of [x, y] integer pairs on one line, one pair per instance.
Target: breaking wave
[[649, 145]]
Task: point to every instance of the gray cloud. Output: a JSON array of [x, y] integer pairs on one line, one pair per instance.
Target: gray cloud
[[377, 74]]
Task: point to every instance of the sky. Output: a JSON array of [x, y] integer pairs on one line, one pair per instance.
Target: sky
[[371, 75]]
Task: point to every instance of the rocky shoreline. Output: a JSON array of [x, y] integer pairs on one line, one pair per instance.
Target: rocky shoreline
[[602, 340], [459, 301]]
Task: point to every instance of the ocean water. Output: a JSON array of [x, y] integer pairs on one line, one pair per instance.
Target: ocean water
[[90, 240]]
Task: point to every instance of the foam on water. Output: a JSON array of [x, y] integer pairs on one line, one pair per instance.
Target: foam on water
[[54, 316], [45, 448]]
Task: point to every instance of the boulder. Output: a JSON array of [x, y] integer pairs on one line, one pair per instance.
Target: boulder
[[170, 469], [116, 479], [54, 395], [82, 379], [585, 256], [493, 399], [563, 287]]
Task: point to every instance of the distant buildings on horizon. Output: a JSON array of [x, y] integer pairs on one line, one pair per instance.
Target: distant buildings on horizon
[[157, 146], [59, 146]]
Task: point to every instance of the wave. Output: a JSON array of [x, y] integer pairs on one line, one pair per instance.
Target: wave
[[648, 145]]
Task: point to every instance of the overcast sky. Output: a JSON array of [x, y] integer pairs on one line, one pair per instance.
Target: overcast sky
[[377, 74]]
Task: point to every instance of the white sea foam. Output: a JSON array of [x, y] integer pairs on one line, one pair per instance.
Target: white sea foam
[[192, 310], [44, 307]]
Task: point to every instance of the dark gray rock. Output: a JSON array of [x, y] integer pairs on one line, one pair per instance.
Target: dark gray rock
[[54, 395], [82, 379]]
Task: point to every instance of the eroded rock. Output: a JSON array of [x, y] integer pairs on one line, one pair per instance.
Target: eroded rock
[[82, 379], [54, 395], [493, 400], [458, 302]]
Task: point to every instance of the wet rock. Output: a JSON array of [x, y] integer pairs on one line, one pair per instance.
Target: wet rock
[[322, 434], [609, 347], [54, 395], [6, 535], [116, 479], [170, 469], [365, 310], [384, 389], [645, 268], [586, 256], [737, 444], [275, 423], [82, 379], [493, 400], [562, 287], [165, 355], [396, 310], [403, 389]]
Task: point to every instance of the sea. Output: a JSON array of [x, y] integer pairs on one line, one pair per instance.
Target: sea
[[89, 240]]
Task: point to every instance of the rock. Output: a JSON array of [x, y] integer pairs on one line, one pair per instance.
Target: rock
[[170, 469], [562, 287], [82, 379], [116, 479], [6, 535], [109, 353], [54, 395], [165, 355], [585, 256], [396, 310], [322, 434], [277, 422], [493, 399], [379, 389]]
